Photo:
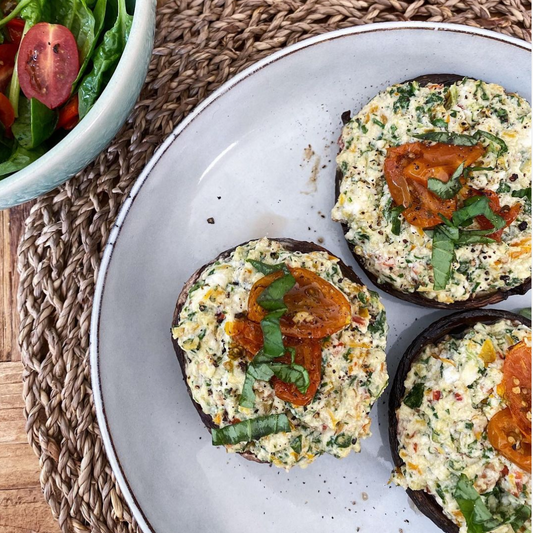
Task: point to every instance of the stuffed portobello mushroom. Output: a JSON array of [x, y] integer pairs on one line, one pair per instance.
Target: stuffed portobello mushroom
[[434, 191], [282, 350], [460, 422]]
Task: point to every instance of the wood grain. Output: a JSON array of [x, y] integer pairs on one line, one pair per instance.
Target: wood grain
[[22, 505]]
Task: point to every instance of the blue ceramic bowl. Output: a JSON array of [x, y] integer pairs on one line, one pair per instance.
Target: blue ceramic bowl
[[98, 127]]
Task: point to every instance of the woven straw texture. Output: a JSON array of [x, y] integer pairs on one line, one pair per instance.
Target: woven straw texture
[[199, 45]]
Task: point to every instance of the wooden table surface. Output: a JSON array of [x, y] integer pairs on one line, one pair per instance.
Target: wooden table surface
[[22, 505]]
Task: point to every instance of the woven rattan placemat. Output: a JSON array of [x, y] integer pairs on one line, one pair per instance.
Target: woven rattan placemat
[[199, 45]]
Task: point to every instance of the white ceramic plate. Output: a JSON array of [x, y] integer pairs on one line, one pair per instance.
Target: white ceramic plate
[[257, 157]]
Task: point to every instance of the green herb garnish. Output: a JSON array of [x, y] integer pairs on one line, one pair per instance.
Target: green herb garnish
[[392, 214], [445, 137], [449, 189], [415, 396], [250, 430], [522, 193]]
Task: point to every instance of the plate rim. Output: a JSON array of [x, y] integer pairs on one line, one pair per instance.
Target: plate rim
[[101, 417]]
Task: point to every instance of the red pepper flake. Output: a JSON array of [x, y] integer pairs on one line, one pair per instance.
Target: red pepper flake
[[458, 397], [436, 395]]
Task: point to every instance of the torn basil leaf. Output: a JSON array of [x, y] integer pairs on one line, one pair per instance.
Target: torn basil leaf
[[272, 338], [522, 193], [442, 257], [476, 206], [449, 189], [265, 268], [445, 137], [293, 374], [415, 396], [271, 298], [250, 430], [493, 139]]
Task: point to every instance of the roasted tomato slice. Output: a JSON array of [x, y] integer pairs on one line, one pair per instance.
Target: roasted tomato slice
[[508, 214], [246, 333], [419, 161], [316, 308], [425, 207], [517, 385], [308, 355], [505, 437], [48, 63]]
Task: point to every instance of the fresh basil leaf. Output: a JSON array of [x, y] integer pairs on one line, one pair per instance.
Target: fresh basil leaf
[[468, 170], [442, 257], [449, 189], [525, 312], [250, 430], [492, 138], [296, 444], [105, 60], [20, 159], [272, 338], [392, 214], [293, 374], [474, 237], [247, 397], [476, 206], [35, 123], [522, 193], [415, 396], [271, 298], [477, 516], [519, 517], [265, 268], [447, 138]]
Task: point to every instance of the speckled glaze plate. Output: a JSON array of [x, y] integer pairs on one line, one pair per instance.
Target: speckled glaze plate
[[255, 159]]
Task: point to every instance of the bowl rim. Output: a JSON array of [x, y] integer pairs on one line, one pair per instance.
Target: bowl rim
[[120, 475], [74, 142]]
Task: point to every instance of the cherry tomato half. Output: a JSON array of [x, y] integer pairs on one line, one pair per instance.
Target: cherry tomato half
[[8, 52], [7, 113], [316, 308], [15, 29], [68, 114], [506, 438], [308, 355], [48, 63], [517, 384]]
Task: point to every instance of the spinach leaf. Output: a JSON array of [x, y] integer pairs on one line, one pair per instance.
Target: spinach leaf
[[6, 147], [451, 97], [392, 214], [343, 440], [35, 123], [442, 257], [450, 188], [264, 268], [296, 444], [271, 298], [105, 60], [250, 430], [492, 138], [447, 138], [476, 206], [378, 326], [522, 193], [415, 396], [85, 25], [20, 159], [439, 123], [35, 11]]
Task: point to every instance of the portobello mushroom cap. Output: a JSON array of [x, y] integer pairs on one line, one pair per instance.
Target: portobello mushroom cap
[[480, 300], [455, 325], [290, 245]]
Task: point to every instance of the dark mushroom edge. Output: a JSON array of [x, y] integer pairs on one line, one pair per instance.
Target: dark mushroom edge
[[289, 244], [473, 302], [456, 325]]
